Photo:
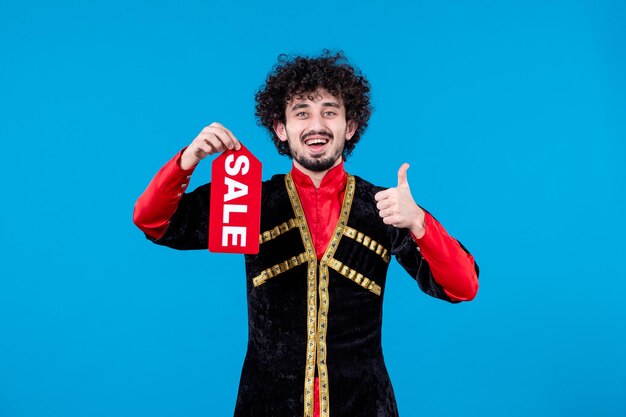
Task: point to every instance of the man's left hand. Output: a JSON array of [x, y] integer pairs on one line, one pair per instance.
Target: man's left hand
[[397, 207]]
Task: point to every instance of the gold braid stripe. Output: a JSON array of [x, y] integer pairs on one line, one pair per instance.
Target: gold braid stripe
[[354, 276], [279, 268], [277, 231], [368, 242], [324, 298], [311, 320]]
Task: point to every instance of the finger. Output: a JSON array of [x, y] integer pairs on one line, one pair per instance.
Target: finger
[[386, 213], [389, 220], [236, 143], [216, 148], [220, 135], [215, 143], [204, 149], [402, 174], [383, 204], [210, 128], [381, 195]]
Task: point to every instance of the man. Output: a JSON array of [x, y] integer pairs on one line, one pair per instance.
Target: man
[[315, 290]]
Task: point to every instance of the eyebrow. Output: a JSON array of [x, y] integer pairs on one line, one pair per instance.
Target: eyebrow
[[306, 105]]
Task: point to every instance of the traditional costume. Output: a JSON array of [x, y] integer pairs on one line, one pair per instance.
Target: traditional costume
[[315, 289]]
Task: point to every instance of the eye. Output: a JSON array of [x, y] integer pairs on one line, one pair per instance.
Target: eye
[[330, 113], [301, 114]]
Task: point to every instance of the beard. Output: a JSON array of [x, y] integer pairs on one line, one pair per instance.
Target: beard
[[317, 164]]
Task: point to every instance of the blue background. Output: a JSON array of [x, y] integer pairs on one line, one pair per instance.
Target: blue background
[[512, 115]]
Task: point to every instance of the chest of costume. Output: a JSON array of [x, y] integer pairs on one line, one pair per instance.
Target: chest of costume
[[312, 318]]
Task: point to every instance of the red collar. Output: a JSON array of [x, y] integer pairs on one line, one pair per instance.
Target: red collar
[[334, 180]]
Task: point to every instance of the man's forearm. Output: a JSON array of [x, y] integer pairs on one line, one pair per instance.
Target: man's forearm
[[452, 267], [155, 207]]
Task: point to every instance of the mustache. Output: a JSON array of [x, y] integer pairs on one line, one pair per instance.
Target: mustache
[[329, 135]]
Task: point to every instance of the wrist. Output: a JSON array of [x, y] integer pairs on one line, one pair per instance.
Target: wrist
[[187, 161], [418, 228]]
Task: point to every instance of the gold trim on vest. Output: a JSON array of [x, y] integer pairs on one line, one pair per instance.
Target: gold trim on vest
[[279, 268], [317, 318], [277, 231], [368, 242], [311, 323], [324, 299], [355, 276]]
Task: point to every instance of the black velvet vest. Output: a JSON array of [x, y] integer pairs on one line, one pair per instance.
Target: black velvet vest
[[310, 318]]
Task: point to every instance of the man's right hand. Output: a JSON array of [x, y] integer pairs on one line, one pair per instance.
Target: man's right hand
[[213, 139]]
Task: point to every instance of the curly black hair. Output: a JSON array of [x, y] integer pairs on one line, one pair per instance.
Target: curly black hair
[[297, 76]]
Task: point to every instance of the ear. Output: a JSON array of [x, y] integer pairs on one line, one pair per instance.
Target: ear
[[351, 129], [281, 130]]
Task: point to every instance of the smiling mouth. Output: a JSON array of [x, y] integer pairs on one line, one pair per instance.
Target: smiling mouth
[[316, 141]]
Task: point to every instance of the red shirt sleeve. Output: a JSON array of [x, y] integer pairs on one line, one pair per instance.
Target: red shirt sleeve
[[451, 266], [158, 203]]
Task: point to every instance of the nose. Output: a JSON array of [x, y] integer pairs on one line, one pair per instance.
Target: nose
[[317, 123]]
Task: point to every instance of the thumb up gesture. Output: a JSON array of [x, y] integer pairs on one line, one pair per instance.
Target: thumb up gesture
[[397, 207]]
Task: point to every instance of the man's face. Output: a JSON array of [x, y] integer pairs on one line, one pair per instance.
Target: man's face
[[315, 130]]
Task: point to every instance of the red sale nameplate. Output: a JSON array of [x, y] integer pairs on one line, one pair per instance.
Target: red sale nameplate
[[235, 209]]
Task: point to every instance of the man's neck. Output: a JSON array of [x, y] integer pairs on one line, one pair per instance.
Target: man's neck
[[316, 176]]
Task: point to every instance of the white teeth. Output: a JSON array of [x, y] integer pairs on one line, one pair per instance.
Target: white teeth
[[316, 142]]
